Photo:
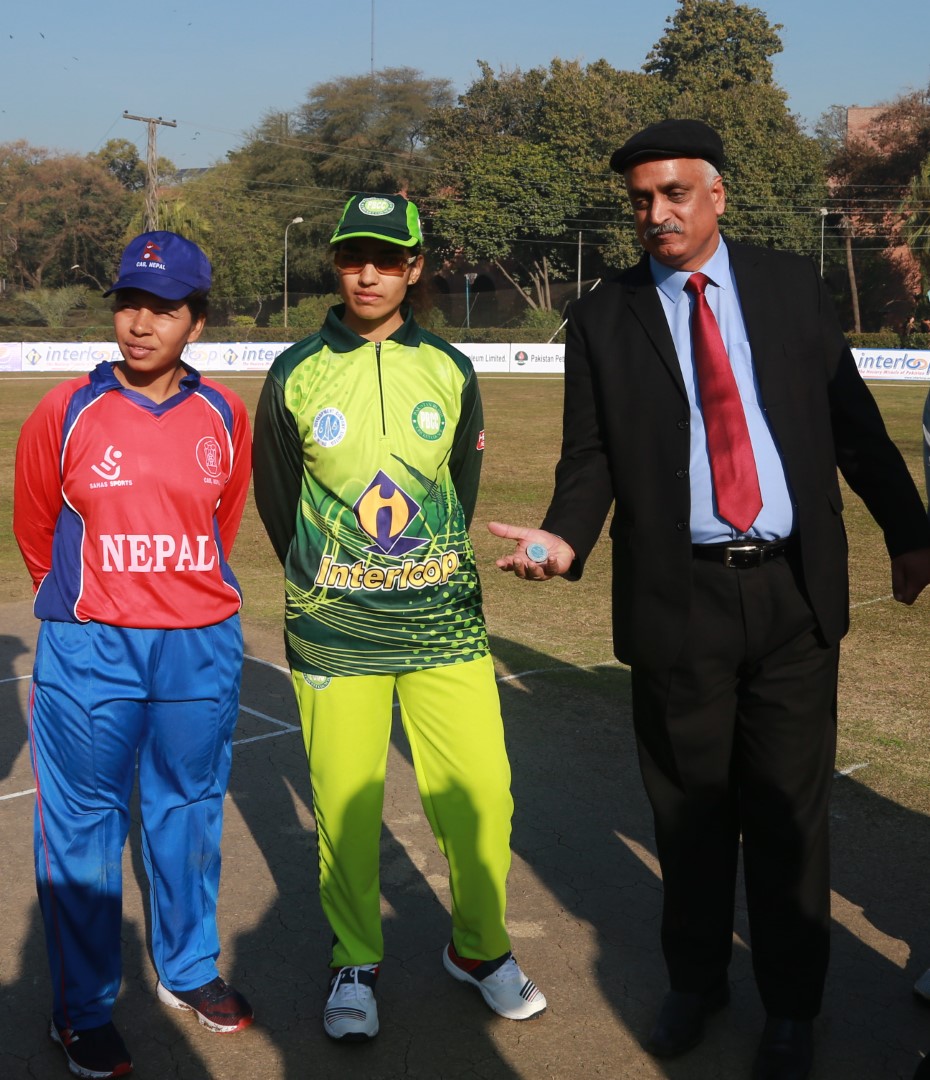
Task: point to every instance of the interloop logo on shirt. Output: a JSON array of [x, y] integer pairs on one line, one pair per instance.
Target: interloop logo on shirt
[[384, 511]]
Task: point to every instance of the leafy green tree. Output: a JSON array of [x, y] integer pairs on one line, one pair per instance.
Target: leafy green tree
[[870, 177], [54, 305], [175, 214], [58, 211], [513, 210], [916, 227], [773, 170], [355, 133], [830, 131], [715, 44], [366, 132], [521, 169], [240, 232], [121, 160], [276, 165]]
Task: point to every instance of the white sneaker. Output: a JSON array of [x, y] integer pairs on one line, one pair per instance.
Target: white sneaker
[[351, 1012], [502, 983]]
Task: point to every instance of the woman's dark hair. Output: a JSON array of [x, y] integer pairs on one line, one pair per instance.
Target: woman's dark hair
[[199, 305]]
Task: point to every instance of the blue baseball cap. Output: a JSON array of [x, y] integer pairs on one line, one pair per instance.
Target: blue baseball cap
[[165, 264]]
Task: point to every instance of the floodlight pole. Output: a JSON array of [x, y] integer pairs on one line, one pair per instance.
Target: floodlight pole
[[823, 219], [296, 221], [469, 281]]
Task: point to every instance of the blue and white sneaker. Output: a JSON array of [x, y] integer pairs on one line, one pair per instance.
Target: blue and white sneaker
[[351, 1012], [502, 983]]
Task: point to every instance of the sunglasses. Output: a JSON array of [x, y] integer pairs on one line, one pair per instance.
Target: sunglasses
[[386, 262]]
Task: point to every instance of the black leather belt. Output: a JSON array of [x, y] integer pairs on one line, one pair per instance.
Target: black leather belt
[[743, 554]]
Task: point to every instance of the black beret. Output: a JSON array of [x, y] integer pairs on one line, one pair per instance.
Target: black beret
[[670, 139]]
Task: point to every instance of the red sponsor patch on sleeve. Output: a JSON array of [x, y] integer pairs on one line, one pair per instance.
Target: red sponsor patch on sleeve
[[480, 444]]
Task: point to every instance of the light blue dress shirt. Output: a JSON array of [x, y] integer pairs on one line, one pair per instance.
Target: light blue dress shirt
[[776, 518]]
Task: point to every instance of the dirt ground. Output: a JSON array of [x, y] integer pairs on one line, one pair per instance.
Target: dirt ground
[[584, 911]]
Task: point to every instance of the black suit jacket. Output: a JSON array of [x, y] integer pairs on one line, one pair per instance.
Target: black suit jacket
[[626, 441]]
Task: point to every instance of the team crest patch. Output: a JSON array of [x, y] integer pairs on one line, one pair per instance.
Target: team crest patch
[[318, 682], [209, 455], [375, 206], [428, 420], [329, 427]]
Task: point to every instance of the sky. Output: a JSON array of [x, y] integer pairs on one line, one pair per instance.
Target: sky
[[68, 70]]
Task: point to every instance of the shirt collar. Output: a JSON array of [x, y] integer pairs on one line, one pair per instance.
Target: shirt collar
[[672, 282]]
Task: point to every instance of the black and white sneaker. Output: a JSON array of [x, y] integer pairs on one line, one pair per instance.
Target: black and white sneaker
[[94, 1053], [502, 983], [351, 1012]]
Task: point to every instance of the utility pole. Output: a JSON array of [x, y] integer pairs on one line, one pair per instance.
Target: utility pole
[[151, 172]]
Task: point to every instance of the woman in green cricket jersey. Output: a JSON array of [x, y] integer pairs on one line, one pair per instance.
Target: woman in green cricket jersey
[[368, 445]]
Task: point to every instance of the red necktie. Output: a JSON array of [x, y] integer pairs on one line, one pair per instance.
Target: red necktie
[[732, 465]]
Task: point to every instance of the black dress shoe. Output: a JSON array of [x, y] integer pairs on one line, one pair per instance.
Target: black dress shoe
[[680, 1023], [786, 1051]]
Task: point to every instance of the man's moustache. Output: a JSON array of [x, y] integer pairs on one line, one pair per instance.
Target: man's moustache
[[661, 230]]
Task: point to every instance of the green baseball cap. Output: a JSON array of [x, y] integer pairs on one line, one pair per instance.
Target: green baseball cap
[[383, 217]]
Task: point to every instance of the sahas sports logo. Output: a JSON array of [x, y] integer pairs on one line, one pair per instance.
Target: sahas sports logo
[[384, 512]]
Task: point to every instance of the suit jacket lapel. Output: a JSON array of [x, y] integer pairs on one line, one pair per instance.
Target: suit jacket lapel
[[755, 302], [644, 303]]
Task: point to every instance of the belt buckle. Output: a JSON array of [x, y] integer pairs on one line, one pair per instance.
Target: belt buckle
[[742, 556]]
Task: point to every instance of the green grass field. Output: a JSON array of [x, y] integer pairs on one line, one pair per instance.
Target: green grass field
[[884, 686]]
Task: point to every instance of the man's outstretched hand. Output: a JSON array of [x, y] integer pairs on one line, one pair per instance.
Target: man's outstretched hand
[[538, 556]]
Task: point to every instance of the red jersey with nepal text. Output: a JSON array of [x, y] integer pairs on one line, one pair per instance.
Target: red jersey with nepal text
[[126, 509]]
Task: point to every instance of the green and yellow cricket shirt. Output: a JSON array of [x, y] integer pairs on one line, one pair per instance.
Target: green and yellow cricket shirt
[[366, 460]]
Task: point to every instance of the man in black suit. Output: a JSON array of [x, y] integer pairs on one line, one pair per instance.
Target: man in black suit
[[730, 588]]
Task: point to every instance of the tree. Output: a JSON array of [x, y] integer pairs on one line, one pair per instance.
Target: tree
[[175, 214], [59, 210], [239, 231], [121, 160], [521, 168], [830, 131], [915, 206], [366, 132], [871, 173], [54, 305], [715, 43], [512, 212], [355, 133], [773, 170], [514, 133]]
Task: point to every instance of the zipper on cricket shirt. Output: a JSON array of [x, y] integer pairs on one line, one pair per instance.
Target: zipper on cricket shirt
[[380, 388]]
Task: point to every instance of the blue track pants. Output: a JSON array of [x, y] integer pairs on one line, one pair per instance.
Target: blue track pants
[[105, 697]]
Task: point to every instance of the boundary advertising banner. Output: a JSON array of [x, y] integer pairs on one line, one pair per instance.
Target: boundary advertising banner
[[258, 356], [896, 365], [900, 365]]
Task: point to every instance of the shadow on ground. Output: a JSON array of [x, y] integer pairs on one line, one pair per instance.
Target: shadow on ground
[[584, 904]]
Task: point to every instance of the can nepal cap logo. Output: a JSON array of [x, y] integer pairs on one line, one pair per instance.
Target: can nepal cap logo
[[382, 217], [165, 264]]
